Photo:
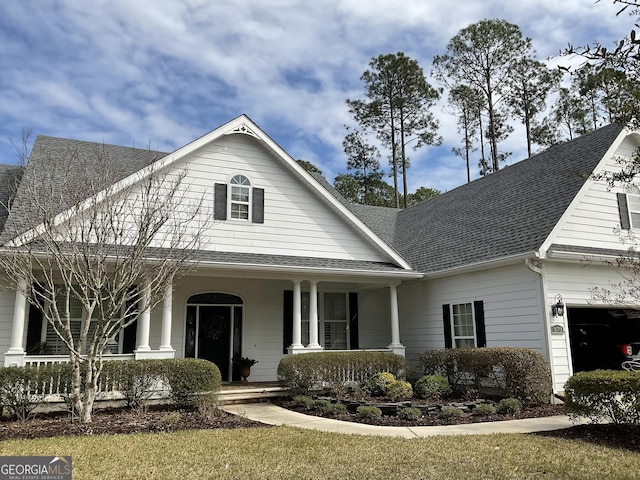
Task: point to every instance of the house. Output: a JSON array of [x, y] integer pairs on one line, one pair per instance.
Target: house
[[288, 266]]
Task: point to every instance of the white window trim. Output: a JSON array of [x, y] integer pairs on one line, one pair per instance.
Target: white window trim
[[230, 200], [633, 193], [455, 337]]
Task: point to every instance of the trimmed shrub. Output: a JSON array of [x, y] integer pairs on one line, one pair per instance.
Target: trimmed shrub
[[303, 401], [410, 413], [484, 410], [304, 372], [369, 412], [604, 396], [137, 380], [23, 389], [321, 405], [335, 409], [380, 383], [188, 377], [432, 387], [517, 372], [449, 411], [400, 390], [509, 405]]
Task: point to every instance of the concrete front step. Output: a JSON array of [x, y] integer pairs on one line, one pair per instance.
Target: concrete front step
[[239, 394]]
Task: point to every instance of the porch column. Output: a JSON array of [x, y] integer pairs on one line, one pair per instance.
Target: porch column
[[165, 335], [144, 321], [296, 344], [395, 345], [15, 355], [313, 316]]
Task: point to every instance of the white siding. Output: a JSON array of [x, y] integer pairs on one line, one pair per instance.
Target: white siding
[[374, 318], [296, 221], [593, 216], [574, 282], [511, 297]]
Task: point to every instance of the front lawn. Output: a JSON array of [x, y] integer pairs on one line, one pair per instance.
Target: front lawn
[[283, 453]]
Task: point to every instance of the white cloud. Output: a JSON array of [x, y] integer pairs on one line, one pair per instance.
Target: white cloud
[[168, 71]]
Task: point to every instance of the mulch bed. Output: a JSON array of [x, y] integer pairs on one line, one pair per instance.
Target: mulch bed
[[625, 437], [430, 420], [121, 420]]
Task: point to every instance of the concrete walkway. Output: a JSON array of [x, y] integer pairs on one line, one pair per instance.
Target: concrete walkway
[[273, 415]]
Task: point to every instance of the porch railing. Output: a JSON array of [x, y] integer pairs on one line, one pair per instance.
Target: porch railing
[[54, 390], [36, 360]]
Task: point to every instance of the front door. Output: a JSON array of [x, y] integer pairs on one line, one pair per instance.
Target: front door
[[213, 331]]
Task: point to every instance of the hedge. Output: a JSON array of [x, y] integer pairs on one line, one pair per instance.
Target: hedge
[[302, 372], [515, 372], [604, 396]]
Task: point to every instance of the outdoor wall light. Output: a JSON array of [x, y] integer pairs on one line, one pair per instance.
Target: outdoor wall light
[[557, 309]]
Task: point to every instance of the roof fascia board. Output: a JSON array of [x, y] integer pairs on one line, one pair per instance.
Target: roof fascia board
[[484, 265], [550, 240]]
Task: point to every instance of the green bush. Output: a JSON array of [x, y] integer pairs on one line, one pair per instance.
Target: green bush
[[484, 410], [449, 411], [369, 412], [304, 372], [410, 413], [400, 390], [335, 409], [188, 377], [518, 372], [432, 387], [321, 405], [380, 383], [604, 396], [23, 389], [137, 380], [509, 405], [303, 401]]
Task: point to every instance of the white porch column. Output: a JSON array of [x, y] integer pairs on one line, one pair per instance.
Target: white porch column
[[15, 354], [296, 344], [313, 316], [167, 306], [144, 321], [395, 345]]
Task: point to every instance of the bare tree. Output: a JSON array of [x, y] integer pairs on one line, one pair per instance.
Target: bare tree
[[82, 233]]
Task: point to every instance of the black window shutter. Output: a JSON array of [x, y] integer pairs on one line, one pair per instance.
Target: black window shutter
[[257, 215], [353, 322], [481, 335], [625, 221], [287, 321], [446, 322], [220, 202]]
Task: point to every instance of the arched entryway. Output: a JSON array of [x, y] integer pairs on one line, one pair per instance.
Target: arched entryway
[[214, 330]]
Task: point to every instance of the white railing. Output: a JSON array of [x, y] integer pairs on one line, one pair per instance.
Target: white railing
[[36, 360]]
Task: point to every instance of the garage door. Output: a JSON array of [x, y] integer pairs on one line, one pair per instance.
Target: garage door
[[602, 337]]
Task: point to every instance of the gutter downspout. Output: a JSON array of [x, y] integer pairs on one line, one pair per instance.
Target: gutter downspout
[[531, 265]]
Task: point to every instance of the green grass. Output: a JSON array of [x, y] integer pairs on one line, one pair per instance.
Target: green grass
[[283, 453]]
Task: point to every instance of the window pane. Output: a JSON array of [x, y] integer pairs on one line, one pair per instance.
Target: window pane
[[465, 343], [239, 194], [335, 306], [335, 335], [239, 211], [635, 219], [305, 332]]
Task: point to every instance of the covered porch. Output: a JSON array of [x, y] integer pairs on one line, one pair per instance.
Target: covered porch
[[219, 312]]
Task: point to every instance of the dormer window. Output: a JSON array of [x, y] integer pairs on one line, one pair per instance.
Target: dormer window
[[629, 208], [239, 204], [238, 200]]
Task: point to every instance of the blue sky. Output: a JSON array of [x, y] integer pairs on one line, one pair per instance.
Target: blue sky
[[162, 73]]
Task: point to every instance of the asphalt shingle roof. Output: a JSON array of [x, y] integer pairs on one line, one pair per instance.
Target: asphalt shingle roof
[[50, 173], [509, 212]]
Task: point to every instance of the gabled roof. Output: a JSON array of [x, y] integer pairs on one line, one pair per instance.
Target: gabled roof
[[508, 213], [68, 156], [128, 165]]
